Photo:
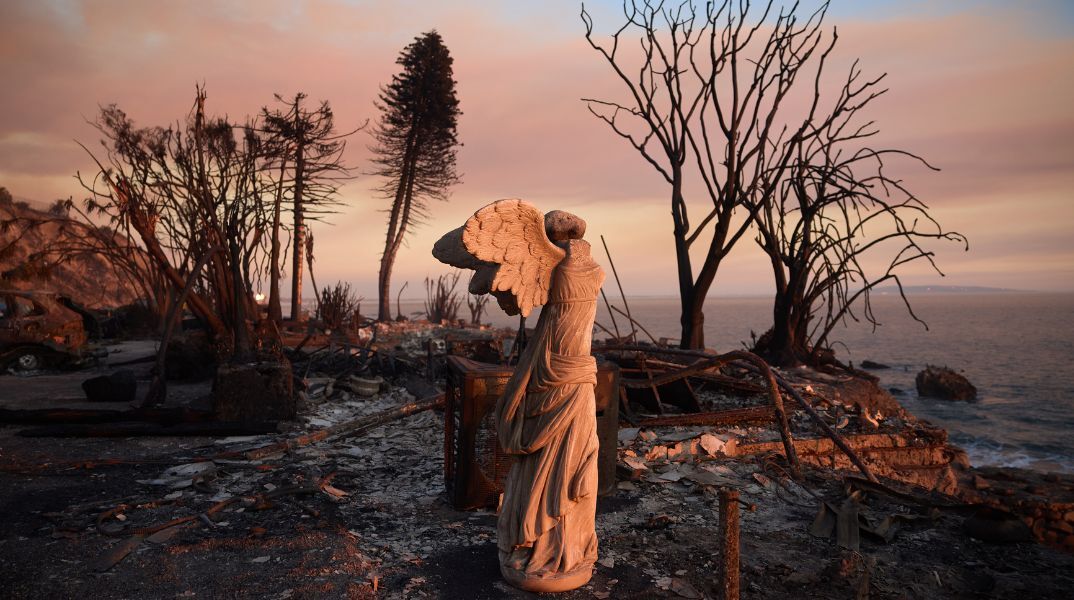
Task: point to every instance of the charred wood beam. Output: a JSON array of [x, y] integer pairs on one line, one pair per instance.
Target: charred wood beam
[[666, 378], [736, 416]]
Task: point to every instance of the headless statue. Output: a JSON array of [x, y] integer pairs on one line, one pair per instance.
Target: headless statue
[[546, 416]]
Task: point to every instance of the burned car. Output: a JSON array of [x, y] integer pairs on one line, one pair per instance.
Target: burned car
[[36, 331]]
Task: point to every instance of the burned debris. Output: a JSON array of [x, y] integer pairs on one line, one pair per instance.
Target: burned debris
[[37, 331], [210, 447], [387, 477]]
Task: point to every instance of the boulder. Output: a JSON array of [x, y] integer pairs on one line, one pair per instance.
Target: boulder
[[944, 383], [120, 386], [873, 366]]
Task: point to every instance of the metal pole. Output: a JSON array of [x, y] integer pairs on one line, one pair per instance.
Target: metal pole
[[729, 542], [617, 282], [610, 312]]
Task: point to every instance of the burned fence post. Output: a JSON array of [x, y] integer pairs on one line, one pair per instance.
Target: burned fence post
[[729, 543]]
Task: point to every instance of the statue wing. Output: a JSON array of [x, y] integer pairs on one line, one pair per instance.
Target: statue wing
[[511, 234]]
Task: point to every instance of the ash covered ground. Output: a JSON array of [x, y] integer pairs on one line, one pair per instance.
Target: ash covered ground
[[364, 514]]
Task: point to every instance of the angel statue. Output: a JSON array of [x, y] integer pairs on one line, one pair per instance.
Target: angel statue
[[546, 416]]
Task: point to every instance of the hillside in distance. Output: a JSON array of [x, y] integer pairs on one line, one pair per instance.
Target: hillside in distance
[[946, 289], [88, 280]]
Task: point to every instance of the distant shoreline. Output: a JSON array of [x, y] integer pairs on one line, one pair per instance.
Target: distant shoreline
[[910, 291]]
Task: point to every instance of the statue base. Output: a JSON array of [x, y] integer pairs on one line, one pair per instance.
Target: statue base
[[563, 582]]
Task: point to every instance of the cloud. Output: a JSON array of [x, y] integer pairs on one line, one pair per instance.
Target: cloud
[[985, 96]]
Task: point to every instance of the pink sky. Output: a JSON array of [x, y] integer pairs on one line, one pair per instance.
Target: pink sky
[[986, 96]]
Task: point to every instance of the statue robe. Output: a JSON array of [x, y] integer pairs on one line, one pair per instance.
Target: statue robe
[[547, 417]]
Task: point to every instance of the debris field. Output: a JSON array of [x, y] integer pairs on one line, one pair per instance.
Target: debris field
[[350, 502]]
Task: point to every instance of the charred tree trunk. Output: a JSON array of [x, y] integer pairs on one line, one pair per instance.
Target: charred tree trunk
[[244, 349], [299, 242], [416, 145], [781, 347], [387, 260], [397, 223], [691, 318], [275, 311], [787, 344]]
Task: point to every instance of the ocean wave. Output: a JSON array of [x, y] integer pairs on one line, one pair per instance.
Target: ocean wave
[[989, 453]]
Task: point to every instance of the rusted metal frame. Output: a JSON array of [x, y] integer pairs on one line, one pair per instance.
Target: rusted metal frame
[[835, 437], [735, 416], [777, 403], [773, 391], [622, 294], [651, 385], [704, 375], [831, 433], [730, 383], [670, 377], [758, 364]]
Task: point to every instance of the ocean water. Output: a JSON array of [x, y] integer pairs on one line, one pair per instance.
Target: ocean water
[[1017, 348]]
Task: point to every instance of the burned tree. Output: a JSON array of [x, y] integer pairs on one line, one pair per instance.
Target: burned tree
[[477, 305], [339, 306], [704, 101], [304, 155], [182, 192], [838, 211], [441, 301], [416, 142]]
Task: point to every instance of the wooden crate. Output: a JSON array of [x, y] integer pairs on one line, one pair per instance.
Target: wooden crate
[[474, 464]]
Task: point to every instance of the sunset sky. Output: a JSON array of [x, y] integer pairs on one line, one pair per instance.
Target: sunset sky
[[983, 90]]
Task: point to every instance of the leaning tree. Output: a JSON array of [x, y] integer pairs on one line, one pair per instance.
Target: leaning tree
[[840, 224], [416, 142], [704, 97]]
